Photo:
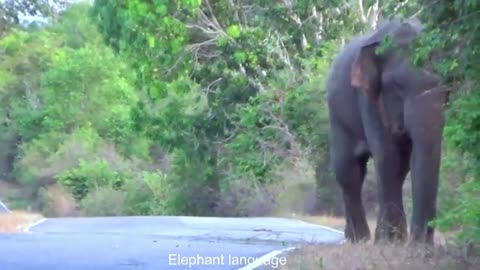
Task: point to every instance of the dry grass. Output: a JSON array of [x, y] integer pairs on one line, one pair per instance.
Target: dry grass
[[338, 223], [17, 220], [7, 188], [58, 202], [372, 257]]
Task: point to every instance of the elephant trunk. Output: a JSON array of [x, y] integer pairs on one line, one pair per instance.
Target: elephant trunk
[[425, 173], [424, 121]]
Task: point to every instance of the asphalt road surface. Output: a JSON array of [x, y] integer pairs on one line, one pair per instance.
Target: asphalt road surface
[[158, 243]]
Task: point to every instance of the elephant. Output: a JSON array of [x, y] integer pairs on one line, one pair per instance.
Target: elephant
[[383, 107]]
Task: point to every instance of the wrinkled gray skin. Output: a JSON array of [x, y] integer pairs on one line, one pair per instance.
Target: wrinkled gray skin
[[382, 107]]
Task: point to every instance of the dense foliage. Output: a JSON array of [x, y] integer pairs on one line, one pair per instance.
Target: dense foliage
[[452, 47], [210, 107], [217, 87]]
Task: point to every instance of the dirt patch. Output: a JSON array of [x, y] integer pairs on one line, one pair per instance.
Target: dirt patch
[[373, 257], [56, 201], [16, 221]]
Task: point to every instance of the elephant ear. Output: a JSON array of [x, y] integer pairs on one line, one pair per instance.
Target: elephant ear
[[366, 75], [365, 72]]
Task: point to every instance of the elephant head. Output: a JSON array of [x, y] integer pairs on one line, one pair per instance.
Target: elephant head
[[389, 78]]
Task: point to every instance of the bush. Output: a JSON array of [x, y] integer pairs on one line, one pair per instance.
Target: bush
[[459, 204], [89, 175], [466, 214], [460, 187], [51, 155], [243, 199], [105, 201], [56, 201], [149, 193]]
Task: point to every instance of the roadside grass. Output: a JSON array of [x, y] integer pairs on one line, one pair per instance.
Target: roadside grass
[[370, 256], [367, 256], [16, 221]]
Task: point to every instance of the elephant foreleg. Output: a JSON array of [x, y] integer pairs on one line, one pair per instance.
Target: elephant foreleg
[[392, 170]]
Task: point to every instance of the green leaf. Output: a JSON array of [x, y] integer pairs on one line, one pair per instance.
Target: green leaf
[[222, 41], [151, 41], [234, 31], [154, 93], [162, 10], [240, 56], [194, 3]]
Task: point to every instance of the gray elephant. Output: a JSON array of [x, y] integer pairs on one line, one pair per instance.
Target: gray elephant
[[382, 107]]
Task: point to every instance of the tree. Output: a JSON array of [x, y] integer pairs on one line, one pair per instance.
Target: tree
[[11, 11], [195, 57]]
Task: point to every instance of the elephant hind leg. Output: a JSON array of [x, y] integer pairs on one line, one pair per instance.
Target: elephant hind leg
[[350, 172]]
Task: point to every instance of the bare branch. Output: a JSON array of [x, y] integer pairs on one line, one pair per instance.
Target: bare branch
[[297, 20], [211, 84], [415, 15], [363, 16], [251, 80], [215, 21], [203, 43], [282, 51], [203, 29]]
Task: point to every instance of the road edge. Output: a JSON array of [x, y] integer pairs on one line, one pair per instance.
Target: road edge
[[31, 225], [261, 261], [322, 226], [4, 206]]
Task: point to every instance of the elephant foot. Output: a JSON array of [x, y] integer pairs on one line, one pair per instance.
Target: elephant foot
[[390, 235], [359, 233], [421, 236], [391, 231]]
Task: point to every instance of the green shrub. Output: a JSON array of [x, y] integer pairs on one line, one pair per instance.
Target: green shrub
[[105, 201], [465, 214], [149, 193], [91, 174], [460, 203]]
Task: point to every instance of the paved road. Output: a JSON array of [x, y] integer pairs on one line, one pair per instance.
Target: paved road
[[156, 243]]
